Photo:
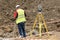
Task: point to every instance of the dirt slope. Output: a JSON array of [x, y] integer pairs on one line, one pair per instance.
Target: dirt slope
[[51, 12]]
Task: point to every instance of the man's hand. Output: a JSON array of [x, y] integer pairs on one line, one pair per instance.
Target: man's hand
[[12, 19]]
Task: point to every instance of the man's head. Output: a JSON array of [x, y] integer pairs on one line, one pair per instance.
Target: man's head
[[17, 6]]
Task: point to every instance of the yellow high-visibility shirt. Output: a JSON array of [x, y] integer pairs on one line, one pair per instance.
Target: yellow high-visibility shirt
[[21, 16]]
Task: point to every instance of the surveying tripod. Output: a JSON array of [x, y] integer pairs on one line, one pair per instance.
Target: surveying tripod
[[41, 22]]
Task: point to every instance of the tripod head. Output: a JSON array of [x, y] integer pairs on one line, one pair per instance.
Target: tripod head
[[39, 8]]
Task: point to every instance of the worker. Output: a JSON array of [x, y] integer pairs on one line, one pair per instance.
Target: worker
[[19, 16]]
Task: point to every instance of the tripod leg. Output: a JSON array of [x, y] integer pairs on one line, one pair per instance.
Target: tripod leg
[[34, 25], [40, 27], [35, 21], [44, 24]]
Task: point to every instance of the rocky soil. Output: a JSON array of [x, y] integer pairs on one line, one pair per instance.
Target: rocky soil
[[51, 12]]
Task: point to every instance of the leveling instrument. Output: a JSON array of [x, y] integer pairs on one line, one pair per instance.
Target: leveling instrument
[[41, 22]]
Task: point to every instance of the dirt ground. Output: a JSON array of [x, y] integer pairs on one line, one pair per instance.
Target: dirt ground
[[51, 12], [53, 36]]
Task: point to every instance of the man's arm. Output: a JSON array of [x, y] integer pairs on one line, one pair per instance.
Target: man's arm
[[25, 13], [15, 14]]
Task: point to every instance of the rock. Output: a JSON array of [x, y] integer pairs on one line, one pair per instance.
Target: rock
[[1, 32]]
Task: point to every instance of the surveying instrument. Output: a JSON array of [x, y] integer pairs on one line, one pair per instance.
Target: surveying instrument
[[41, 22]]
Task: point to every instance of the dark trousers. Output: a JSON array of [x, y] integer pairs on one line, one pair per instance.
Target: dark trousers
[[21, 27]]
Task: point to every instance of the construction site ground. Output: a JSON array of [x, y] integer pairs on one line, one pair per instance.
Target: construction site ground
[[53, 36], [51, 12]]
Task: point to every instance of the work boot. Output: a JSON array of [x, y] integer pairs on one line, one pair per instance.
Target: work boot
[[20, 36], [24, 38]]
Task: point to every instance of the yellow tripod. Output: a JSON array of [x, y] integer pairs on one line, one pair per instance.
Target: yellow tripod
[[42, 22]]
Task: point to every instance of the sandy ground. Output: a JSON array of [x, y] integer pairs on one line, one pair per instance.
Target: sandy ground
[[51, 12], [54, 36]]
